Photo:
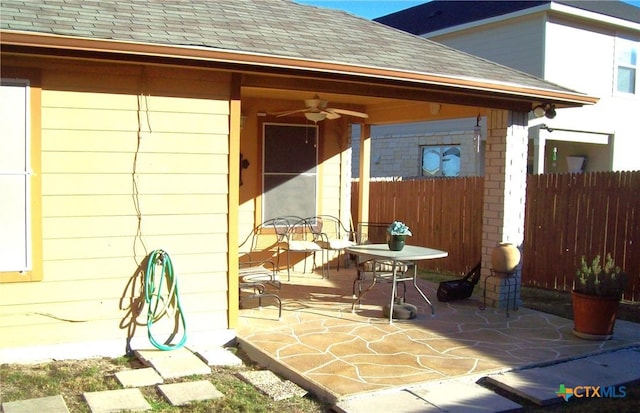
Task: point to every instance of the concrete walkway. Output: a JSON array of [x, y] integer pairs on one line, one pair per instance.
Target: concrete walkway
[[540, 385]]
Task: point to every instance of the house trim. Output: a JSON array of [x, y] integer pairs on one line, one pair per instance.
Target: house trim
[[251, 62], [550, 7], [35, 118]]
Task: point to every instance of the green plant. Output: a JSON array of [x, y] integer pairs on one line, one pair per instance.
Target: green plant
[[601, 280], [398, 228]]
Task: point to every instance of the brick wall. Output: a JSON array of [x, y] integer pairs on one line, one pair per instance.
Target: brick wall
[[401, 156]]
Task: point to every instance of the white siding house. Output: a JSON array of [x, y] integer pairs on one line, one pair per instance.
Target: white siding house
[[591, 47]]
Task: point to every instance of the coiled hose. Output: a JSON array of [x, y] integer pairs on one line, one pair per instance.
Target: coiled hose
[[158, 304]]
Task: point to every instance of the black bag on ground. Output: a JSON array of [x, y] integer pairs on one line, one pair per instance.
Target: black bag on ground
[[458, 289]]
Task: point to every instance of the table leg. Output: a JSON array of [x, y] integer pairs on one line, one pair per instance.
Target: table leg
[[424, 296], [393, 293], [363, 293]]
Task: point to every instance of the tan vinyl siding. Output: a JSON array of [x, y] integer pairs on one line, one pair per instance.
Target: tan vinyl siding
[[589, 49], [107, 202], [518, 43], [332, 176]]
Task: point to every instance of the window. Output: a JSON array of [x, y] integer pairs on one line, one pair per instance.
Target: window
[[19, 260], [441, 160], [289, 170], [626, 66]]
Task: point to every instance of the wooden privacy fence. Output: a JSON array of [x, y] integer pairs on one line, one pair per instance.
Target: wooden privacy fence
[[567, 216], [444, 214], [571, 215]]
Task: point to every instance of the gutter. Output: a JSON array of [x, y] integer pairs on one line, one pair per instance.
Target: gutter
[[220, 56]]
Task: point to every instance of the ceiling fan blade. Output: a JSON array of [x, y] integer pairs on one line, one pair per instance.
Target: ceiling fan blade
[[349, 112], [289, 112], [331, 115]]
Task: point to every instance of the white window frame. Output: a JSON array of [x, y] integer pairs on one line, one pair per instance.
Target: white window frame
[[289, 203], [441, 149], [26, 264], [626, 47]]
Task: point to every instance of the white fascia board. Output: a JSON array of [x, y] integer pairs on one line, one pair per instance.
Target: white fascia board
[[589, 15], [495, 19], [560, 8]]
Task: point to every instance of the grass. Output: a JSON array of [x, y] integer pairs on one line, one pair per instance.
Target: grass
[[72, 378]]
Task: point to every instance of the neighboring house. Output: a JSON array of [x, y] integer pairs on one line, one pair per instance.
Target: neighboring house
[[123, 125], [425, 149], [591, 46]]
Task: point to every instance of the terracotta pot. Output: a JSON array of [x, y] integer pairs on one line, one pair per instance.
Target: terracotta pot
[[396, 242], [505, 257], [594, 317]]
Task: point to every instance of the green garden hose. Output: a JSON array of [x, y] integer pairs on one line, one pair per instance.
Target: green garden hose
[[158, 304]]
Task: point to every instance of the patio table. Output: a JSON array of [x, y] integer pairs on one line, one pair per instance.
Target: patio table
[[409, 255]]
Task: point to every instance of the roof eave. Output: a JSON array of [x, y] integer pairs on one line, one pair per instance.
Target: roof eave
[[203, 54]]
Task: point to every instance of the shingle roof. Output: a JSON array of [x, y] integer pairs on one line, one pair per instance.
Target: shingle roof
[[267, 27], [441, 14]]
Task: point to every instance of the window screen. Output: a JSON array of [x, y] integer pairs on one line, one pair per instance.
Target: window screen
[[289, 170]]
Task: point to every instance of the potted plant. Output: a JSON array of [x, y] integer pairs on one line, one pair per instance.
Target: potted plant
[[398, 232], [596, 296]]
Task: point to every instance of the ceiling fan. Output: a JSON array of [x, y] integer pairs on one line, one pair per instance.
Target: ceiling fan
[[316, 110]]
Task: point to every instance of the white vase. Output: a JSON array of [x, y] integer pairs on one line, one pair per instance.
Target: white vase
[[574, 164]]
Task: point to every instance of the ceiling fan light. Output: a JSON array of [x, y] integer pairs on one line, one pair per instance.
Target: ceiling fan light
[[315, 116]]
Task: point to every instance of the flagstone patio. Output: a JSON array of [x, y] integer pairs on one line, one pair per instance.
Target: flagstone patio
[[335, 353]]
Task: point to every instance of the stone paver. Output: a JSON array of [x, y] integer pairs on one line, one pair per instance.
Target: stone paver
[[139, 377], [270, 384], [52, 404], [181, 394], [173, 364], [116, 401], [217, 356]]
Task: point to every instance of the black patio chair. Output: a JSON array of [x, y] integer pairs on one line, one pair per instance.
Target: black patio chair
[[257, 271], [459, 289], [295, 235], [332, 235]]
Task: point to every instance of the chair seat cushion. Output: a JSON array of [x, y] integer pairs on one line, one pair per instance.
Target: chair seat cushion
[[303, 246], [339, 244]]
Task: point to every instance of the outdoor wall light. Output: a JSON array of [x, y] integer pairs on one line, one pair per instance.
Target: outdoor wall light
[[550, 112], [477, 136], [538, 111], [547, 110]]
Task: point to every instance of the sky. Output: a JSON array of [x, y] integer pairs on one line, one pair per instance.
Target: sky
[[370, 9]]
